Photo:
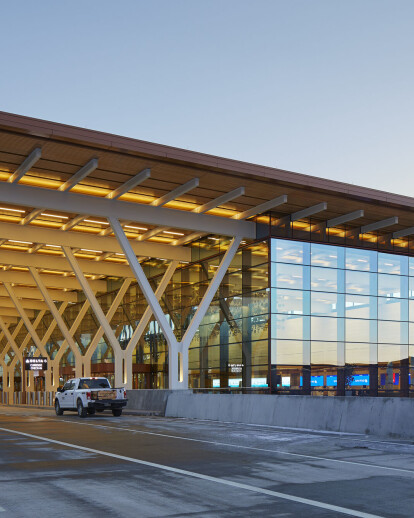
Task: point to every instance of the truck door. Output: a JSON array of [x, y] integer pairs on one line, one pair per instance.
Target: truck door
[[70, 395], [64, 395]]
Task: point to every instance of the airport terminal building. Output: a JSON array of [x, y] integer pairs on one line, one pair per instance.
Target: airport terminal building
[[164, 268]]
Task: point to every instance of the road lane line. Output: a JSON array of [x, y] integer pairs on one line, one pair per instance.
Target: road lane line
[[266, 450], [193, 474]]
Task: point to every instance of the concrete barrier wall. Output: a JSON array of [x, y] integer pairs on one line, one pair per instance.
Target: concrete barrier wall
[[150, 400], [386, 417]]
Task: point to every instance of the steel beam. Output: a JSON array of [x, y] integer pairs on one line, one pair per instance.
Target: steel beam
[[403, 233], [130, 184], [263, 207], [5, 302], [10, 312], [26, 165], [30, 217], [176, 193], [51, 281], [34, 293], [83, 172], [309, 211], [221, 200], [51, 262], [29, 196], [83, 240], [345, 218], [372, 227]]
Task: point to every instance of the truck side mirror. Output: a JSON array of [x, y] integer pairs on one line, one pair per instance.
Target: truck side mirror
[[60, 389]]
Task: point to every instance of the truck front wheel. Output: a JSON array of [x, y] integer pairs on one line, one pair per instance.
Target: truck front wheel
[[82, 411], [58, 410]]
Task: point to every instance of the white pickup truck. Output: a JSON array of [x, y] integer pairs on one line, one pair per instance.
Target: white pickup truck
[[89, 395]]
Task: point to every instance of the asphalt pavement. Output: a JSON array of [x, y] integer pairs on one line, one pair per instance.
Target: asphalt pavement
[[137, 466]]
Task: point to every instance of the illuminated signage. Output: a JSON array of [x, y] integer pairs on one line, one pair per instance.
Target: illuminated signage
[[35, 364]]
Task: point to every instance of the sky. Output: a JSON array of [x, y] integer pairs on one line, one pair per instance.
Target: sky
[[321, 87]]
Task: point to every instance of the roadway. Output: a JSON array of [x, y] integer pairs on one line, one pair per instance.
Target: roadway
[[157, 467]]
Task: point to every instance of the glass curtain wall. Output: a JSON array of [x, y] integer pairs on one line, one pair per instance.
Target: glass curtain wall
[[342, 320]]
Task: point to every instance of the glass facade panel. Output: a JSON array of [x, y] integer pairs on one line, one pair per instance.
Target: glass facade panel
[[392, 285], [393, 264], [361, 307], [324, 257], [290, 276], [327, 304], [294, 252], [361, 283], [326, 279], [364, 260]]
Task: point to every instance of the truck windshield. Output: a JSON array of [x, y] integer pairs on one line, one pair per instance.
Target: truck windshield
[[98, 383]]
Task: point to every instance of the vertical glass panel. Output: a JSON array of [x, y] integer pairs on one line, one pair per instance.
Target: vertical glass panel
[[324, 353], [392, 285], [392, 332], [361, 283], [290, 301], [392, 309], [290, 327], [411, 287], [357, 353], [327, 304], [364, 260], [327, 256], [357, 330], [393, 264], [325, 279], [288, 352], [290, 276], [294, 252], [411, 266], [256, 303], [360, 306], [389, 353], [325, 328]]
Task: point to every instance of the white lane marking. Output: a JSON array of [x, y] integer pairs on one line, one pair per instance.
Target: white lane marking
[[2, 510], [215, 443], [238, 485]]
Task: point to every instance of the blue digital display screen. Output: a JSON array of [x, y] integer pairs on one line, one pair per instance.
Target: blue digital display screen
[[332, 381]]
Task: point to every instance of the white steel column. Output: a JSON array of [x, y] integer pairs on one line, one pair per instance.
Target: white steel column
[[100, 332], [26, 320], [103, 322], [173, 345], [25, 341], [58, 318], [146, 317], [178, 351], [80, 316]]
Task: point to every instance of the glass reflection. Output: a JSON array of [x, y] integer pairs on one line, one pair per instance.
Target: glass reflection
[[290, 276], [393, 264], [364, 260], [294, 252], [360, 303], [327, 257]]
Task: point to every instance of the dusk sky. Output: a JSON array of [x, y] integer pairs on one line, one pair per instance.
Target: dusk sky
[[321, 87]]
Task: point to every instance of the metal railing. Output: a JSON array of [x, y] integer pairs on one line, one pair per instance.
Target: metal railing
[[38, 398]]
